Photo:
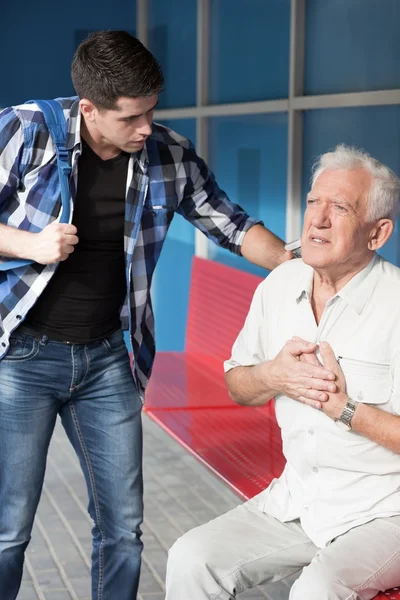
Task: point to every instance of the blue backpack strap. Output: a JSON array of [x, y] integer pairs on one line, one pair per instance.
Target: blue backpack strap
[[54, 117], [57, 126]]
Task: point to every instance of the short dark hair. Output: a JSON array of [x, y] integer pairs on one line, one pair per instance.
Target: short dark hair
[[112, 64]]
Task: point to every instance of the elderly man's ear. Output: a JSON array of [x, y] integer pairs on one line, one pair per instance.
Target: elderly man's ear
[[380, 234]]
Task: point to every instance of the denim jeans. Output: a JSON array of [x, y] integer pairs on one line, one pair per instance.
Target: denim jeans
[[92, 388]]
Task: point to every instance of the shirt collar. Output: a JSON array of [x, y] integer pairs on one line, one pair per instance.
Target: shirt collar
[[74, 126], [305, 287], [356, 292]]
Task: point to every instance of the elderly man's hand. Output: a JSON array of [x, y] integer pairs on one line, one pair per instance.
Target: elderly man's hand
[[336, 401], [333, 407], [308, 382]]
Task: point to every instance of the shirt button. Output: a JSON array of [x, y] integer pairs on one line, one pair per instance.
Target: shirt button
[[18, 317], [315, 470], [311, 431], [306, 508], [3, 344]]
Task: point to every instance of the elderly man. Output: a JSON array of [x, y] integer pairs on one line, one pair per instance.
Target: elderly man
[[335, 511]]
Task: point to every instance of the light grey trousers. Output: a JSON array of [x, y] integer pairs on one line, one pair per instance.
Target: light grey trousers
[[246, 547]]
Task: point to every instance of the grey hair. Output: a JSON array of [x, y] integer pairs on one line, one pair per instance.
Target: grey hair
[[384, 195]]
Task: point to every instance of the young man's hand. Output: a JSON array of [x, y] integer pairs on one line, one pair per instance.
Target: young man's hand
[[55, 243]]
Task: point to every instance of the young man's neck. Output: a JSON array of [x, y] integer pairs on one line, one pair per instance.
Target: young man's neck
[[102, 148]]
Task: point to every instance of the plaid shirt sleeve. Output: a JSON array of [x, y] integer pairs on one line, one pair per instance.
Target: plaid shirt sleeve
[[11, 148], [208, 207]]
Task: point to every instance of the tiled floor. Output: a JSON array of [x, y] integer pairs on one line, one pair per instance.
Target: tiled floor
[[179, 494]]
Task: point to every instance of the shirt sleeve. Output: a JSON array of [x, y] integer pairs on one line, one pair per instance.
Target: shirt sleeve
[[395, 376], [11, 148], [249, 348], [207, 207]]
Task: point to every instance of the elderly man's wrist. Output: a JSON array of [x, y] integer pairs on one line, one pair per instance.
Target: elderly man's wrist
[[343, 398], [348, 412], [262, 373]]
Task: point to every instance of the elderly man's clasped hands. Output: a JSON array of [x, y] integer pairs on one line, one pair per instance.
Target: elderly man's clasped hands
[[328, 393]]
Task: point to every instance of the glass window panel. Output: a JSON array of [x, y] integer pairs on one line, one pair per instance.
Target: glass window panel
[[248, 155], [40, 66], [249, 51], [375, 129], [170, 289], [352, 45], [172, 40], [185, 127]]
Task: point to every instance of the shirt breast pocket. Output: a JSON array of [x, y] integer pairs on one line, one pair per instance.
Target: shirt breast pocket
[[368, 382], [159, 211]]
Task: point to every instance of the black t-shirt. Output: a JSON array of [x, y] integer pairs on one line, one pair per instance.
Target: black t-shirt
[[83, 299]]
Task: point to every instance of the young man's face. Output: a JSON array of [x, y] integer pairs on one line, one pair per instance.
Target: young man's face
[[126, 127]]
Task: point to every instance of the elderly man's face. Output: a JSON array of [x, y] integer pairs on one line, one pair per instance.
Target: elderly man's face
[[335, 232]]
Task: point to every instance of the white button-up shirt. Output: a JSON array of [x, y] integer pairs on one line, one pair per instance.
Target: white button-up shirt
[[334, 480]]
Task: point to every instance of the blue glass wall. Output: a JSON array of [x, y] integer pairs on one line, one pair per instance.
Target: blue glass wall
[[376, 129], [170, 290], [172, 39], [352, 45], [38, 41], [249, 50], [249, 157]]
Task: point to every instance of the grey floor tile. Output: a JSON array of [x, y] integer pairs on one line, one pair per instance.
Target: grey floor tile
[[180, 493]]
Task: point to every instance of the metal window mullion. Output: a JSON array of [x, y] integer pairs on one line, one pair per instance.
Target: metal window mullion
[[340, 100], [142, 24], [217, 110], [202, 97], [298, 103], [295, 120]]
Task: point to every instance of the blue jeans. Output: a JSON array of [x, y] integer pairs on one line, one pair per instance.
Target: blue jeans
[[92, 388]]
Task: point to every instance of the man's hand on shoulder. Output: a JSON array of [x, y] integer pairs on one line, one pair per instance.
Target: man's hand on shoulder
[[284, 257]]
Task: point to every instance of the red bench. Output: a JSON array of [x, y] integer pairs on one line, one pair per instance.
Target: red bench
[[187, 395]]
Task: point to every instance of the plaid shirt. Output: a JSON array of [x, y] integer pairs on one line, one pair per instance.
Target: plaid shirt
[[164, 178]]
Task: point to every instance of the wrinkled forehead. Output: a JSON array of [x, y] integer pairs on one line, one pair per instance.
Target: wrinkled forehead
[[351, 186]]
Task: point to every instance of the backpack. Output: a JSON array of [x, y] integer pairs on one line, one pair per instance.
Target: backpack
[[56, 124]]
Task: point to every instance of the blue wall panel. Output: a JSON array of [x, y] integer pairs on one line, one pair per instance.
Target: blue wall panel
[[352, 45], [375, 129], [248, 155], [170, 290], [38, 41], [172, 39], [249, 52]]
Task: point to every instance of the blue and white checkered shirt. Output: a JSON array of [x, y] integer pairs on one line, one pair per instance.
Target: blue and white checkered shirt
[[166, 177]]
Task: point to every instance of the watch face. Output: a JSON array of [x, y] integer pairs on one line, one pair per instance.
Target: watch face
[[341, 425]]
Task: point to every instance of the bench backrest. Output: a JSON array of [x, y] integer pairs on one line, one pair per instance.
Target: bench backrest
[[219, 301]]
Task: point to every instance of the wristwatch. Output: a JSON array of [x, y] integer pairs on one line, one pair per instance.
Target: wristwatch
[[344, 421]]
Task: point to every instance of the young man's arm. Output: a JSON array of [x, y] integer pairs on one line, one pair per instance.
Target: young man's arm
[[261, 247], [56, 241], [54, 244], [205, 205]]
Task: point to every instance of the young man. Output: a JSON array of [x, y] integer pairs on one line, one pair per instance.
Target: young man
[[334, 514], [61, 319]]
